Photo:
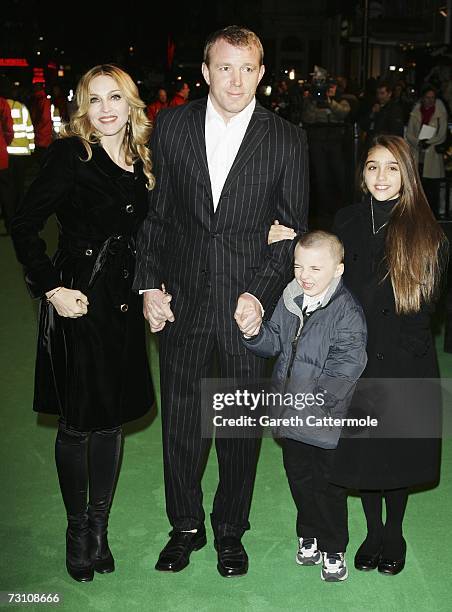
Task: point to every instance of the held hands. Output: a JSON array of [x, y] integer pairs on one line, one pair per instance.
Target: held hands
[[156, 308], [69, 303], [280, 232], [248, 315]]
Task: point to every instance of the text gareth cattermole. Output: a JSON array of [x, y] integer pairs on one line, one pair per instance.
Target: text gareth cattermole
[[252, 400]]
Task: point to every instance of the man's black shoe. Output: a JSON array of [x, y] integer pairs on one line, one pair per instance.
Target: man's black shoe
[[232, 557], [176, 554]]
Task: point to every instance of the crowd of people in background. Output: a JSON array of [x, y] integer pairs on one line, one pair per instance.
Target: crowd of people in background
[[339, 118], [340, 121]]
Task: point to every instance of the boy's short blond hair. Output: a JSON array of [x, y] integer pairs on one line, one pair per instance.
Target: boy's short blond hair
[[320, 237]]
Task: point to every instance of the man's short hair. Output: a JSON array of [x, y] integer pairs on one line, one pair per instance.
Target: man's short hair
[[179, 86], [428, 87], [320, 237], [386, 85], [236, 36]]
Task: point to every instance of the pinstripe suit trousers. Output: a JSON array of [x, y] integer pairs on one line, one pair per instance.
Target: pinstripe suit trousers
[[184, 450]]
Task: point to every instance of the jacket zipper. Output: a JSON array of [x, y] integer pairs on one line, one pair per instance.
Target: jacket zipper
[[295, 344], [294, 352], [292, 359]]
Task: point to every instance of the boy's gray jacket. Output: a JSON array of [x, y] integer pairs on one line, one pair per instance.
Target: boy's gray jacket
[[324, 357]]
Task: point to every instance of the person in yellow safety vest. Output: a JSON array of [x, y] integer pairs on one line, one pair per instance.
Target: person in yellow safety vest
[[20, 152], [24, 134]]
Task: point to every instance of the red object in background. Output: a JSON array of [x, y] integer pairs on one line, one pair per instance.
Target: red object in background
[[42, 120], [154, 108], [6, 132], [171, 48], [14, 62], [38, 75], [178, 100]]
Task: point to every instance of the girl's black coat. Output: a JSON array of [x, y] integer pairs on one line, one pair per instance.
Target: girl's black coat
[[399, 346], [92, 370]]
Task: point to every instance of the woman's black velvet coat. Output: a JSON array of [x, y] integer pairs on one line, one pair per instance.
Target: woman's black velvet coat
[[92, 370], [399, 346]]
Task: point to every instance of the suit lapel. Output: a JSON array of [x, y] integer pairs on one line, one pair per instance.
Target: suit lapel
[[256, 131], [196, 131]]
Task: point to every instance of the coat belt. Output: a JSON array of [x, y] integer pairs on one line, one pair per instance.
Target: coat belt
[[114, 249]]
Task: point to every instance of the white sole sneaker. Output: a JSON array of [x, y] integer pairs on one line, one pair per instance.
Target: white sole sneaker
[[333, 578], [310, 555], [312, 561], [334, 568]]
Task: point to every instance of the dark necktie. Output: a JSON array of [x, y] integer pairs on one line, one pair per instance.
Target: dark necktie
[[305, 314]]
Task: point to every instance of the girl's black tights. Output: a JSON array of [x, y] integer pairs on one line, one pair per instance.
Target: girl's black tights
[[389, 534]]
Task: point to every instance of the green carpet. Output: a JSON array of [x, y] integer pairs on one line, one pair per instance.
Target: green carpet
[[33, 520]]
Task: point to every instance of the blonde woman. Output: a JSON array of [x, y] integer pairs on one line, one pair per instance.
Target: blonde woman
[[91, 366]]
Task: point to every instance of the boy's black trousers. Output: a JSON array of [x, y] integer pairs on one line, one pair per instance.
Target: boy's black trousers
[[322, 506]]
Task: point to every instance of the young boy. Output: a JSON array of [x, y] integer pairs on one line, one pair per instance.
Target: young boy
[[318, 332]]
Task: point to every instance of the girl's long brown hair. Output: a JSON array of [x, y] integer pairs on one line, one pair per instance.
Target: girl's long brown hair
[[138, 131], [415, 243]]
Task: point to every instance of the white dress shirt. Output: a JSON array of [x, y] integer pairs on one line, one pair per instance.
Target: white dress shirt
[[223, 141], [313, 302]]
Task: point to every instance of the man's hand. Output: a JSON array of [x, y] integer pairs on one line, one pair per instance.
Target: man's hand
[[376, 108], [156, 308], [280, 232], [248, 314]]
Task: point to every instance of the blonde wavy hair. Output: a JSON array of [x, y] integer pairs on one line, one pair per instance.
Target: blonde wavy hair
[[138, 130]]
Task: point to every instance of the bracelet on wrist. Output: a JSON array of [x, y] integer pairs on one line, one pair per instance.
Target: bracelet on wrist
[[52, 294]]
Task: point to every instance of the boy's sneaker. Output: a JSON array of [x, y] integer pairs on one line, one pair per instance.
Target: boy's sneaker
[[308, 553], [334, 568]]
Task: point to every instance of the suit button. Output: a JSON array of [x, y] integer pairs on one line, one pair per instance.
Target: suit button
[[89, 252], [124, 307], [380, 356], [125, 273], [129, 208], [385, 311]]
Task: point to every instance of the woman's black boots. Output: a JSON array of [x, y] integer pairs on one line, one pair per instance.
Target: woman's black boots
[[83, 456], [78, 560], [72, 467], [104, 454]]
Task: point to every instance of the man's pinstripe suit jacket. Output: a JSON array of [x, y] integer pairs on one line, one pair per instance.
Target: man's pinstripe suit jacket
[[187, 245]]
